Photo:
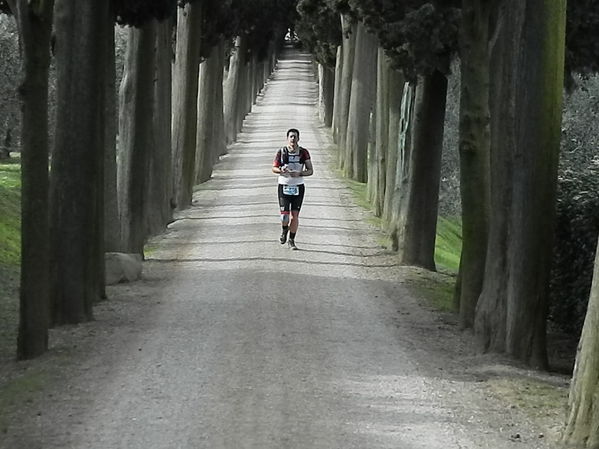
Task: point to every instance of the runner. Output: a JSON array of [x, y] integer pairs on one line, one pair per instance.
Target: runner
[[292, 163]]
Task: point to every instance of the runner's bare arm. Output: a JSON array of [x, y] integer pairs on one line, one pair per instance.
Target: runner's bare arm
[[309, 170]]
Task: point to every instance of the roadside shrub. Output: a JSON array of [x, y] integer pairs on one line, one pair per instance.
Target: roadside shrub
[[577, 209]]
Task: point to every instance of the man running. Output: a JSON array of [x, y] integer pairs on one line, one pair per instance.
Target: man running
[[292, 163]]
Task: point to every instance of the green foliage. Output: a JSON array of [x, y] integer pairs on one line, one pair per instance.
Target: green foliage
[[582, 35], [577, 224], [138, 12], [10, 213], [10, 251], [319, 29], [263, 22], [417, 35], [576, 241], [4, 8], [448, 245], [217, 23], [9, 80]]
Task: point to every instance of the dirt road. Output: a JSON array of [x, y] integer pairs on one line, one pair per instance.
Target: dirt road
[[233, 341]]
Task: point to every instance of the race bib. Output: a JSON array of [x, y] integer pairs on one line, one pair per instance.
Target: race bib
[[290, 190]]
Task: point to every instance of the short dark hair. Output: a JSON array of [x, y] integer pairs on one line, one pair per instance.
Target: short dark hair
[[293, 130]]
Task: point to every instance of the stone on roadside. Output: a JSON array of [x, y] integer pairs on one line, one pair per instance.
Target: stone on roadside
[[122, 267]]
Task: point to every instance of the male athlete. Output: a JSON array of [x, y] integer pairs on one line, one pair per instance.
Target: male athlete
[[292, 163]]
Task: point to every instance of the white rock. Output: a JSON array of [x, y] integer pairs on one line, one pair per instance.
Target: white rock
[[122, 267]]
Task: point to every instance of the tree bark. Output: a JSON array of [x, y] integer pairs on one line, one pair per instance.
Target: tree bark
[[526, 129], [337, 91], [136, 136], [326, 92], [35, 23], [219, 123], [474, 148], [112, 228], [415, 231], [349, 50], [361, 103], [539, 94], [160, 185], [76, 177], [185, 98], [401, 166], [378, 178], [582, 429], [232, 88], [397, 90], [207, 115]]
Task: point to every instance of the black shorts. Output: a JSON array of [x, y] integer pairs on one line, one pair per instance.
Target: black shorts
[[291, 202]]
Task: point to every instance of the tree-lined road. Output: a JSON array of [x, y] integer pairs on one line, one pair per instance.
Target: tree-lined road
[[234, 341]]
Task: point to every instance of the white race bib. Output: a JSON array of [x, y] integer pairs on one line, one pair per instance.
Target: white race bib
[[290, 190]]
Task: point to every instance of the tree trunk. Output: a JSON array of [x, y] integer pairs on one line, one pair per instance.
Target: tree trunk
[[362, 98], [397, 90], [232, 88], [582, 430], [474, 150], [415, 233], [378, 178], [349, 50], [136, 136], [160, 188], [112, 228], [35, 23], [525, 131], [337, 92], [219, 124], [539, 95], [77, 174], [207, 115], [326, 85], [185, 100], [401, 163]]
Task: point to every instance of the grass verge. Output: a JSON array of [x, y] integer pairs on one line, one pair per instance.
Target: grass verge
[[10, 254]]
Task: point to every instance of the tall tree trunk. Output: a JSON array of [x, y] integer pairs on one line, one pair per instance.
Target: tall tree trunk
[[219, 123], [349, 28], [539, 95], [185, 98], [160, 186], [474, 150], [529, 93], [337, 92], [582, 430], [207, 115], [326, 92], [232, 88], [361, 103], [77, 174], [112, 227], [397, 90], [136, 136], [401, 175], [378, 178], [416, 229], [35, 23]]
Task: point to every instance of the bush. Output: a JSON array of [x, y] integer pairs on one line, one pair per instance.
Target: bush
[[577, 224]]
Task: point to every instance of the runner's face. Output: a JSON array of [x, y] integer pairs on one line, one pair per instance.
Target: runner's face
[[292, 139]]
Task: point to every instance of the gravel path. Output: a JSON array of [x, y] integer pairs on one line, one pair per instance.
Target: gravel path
[[234, 341]]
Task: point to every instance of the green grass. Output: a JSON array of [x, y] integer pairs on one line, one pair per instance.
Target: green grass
[[448, 245], [10, 255], [437, 290], [10, 214]]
